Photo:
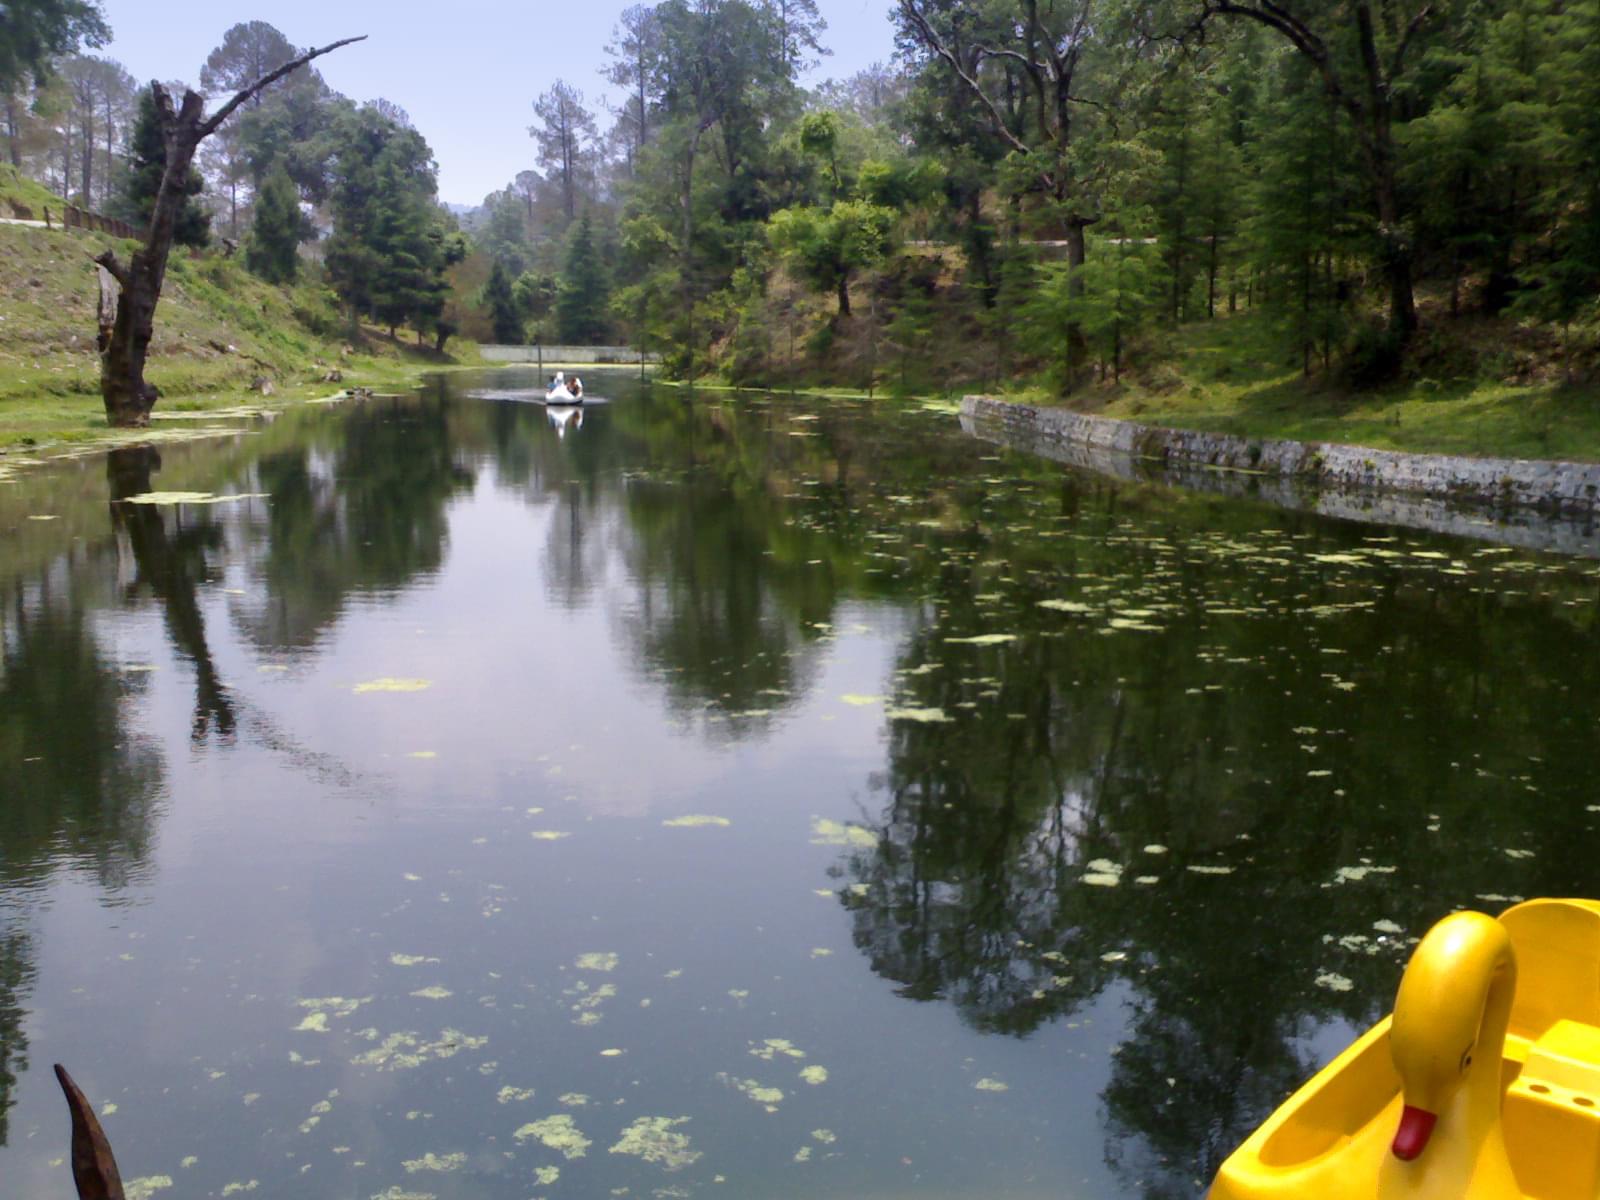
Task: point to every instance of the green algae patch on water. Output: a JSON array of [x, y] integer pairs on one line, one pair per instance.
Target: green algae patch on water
[[411, 960], [597, 961], [991, 1085], [391, 684], [772, 1047], [435, 992], [827, 832], [402, 1051], [697, 821], [547, 835], [982, 639], [508, 1094], [858, 700], [1102, 872], [167, 498], [146, 1186], [322, 1009], [559, 1132], [926, 716], [814, 1075], [1075, 607], [768, 1097], [435, 1162], [546, 1175], [656, 1140]]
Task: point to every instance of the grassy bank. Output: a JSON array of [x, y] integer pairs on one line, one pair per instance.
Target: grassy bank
[[1472, 385], [1231, 376], [223, 339]]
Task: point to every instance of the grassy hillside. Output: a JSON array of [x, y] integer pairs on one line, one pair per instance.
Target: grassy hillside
[[17, 188], [221, 336]]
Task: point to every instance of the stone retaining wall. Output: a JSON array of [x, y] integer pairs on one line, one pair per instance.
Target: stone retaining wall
[[600, 355], [1498, 483]]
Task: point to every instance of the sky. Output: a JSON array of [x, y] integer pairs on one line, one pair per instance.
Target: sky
[[467, 71]]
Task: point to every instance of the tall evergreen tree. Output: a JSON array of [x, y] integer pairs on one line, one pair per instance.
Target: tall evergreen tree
[[148, 164], [585, 290], [277, 230], [502, 306], [565, 138]]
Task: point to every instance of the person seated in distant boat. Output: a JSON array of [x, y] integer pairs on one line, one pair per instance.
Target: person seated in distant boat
[[557, 381], [575, 386]]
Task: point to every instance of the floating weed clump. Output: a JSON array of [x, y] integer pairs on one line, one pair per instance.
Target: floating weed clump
[[434, 992], [391, 684], [168, 498], [146, 1186], [411, 960], [508, 1094], [1356, 874], [827, 832], [857, 700], [991, 1085], [656, 1140], [771, 1048], [1333, 982], [597, 961], [546, 1175], [329, 1006], [547, 835], [815, 1075], [925, 716], [759, 1093], [696, 821], [559, 1132], [402, 1051], [1102, 872], [435, 1162], [1075, 607]]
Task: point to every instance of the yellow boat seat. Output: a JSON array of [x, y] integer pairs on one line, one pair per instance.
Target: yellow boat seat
[[1557, 943]]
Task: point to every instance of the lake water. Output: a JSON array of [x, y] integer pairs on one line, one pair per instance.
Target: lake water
[[756, 797]]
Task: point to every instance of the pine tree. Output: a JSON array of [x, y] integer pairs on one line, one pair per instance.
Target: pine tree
[[581, 306], [276, 230], [148, 164], [502, 306]]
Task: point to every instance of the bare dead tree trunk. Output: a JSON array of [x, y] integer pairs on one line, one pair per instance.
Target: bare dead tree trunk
[[128, 398]]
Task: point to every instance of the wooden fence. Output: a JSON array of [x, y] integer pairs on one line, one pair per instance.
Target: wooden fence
[[73, 217]]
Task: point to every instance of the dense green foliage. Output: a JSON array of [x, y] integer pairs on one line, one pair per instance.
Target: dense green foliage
[[148, 165], [580, 306], [1047, 190], [502, 306], [1028, 192], [277, 231], [34, 32]]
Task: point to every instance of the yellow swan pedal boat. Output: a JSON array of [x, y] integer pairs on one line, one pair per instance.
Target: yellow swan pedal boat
[[1484, 1083]]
